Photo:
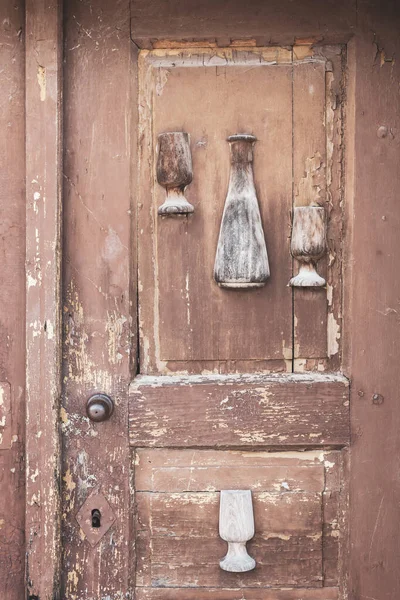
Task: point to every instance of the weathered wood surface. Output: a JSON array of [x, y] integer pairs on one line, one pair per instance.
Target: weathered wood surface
[[309, 170], [372, 300], [99, 334], [177, 529], [241, 259], [238, 594], [318, 106], [236, 526], [239, 411], [197, 470], [277, 21], [174, 171], [308, 245], [43, 296], [12, 301], [177, 293]]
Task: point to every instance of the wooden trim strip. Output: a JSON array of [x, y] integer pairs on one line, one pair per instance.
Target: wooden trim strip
[[239, 594], [43, 284]]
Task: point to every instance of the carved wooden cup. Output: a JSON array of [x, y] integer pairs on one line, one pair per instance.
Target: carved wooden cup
[[308, 244], [236, 526], [174, 171]]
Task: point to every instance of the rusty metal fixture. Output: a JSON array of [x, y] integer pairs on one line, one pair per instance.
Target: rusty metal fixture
[[99, 407]]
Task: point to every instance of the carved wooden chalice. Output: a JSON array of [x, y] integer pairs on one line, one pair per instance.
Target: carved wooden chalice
[[308, 244], [236, 526], [174, 171]]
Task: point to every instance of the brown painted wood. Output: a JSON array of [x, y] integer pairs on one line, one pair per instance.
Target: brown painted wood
[[272, 22], [231, 594], [43, 306], [372, 301], [177, 292], [12, 301], [178, 541], [238, 411], [208, 470], [318, 105], [99, 107]]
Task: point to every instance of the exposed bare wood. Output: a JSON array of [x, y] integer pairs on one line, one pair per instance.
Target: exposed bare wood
[[308, 244], [174, 171], [239, 411], [241, 260], [236, 526], [43, 286], [309, 170]]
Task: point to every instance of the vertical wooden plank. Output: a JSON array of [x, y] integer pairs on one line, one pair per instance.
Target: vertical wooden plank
[[43, 260], [372, 292], [12, 300], [309, 169], [99, 104]]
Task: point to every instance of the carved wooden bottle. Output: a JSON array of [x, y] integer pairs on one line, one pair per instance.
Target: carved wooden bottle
[[241, 260]]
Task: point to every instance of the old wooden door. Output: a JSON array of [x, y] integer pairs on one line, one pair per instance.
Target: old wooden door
[[209, 387], [226, 389]]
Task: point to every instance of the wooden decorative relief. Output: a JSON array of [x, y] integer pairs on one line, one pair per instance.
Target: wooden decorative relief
[[297, 502], [308, 244], [236, 526], [174, 172], [241, 260], [187, 323]]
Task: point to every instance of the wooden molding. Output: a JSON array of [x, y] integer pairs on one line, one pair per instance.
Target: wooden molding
[[43, 284]]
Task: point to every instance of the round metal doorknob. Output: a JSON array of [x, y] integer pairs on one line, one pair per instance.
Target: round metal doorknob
[[99, 407]]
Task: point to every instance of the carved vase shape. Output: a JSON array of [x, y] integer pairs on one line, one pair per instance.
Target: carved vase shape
[[241, 260], [174, 171], [308, 244], [236, 526]]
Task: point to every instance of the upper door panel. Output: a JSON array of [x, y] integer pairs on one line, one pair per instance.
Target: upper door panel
[[187, 322]]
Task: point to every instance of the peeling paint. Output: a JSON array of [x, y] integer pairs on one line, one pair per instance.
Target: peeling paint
[[41, 78]]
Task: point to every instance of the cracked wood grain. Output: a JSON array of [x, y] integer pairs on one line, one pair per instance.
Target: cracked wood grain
[[223, 411]]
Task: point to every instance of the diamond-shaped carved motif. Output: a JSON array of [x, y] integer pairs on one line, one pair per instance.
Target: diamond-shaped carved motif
[[95, 517]]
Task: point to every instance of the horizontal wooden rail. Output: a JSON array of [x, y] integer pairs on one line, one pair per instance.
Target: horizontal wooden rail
[[229, 411]]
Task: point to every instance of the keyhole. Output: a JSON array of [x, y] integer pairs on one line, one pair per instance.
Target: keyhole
[[96, 518]]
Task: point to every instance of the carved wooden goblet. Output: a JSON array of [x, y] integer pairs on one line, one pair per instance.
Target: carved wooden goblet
[[308, 244], [174, 171], [236, 526]]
